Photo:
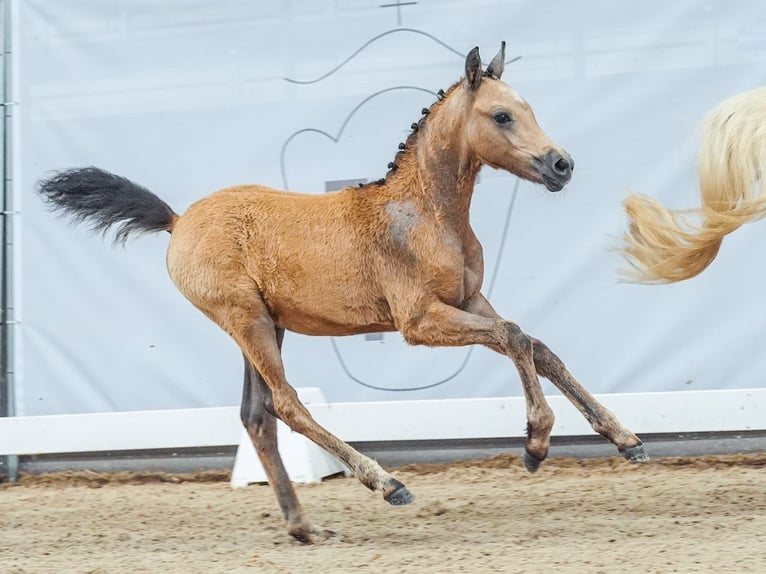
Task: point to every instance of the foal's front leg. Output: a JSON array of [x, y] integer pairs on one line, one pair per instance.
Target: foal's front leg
[[548, 365], [444, 325], [600, 418]]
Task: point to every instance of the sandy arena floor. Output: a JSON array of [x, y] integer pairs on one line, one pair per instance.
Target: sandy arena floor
[[672, 515]]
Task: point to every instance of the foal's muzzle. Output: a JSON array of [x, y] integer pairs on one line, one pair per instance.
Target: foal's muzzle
[[556, 169]]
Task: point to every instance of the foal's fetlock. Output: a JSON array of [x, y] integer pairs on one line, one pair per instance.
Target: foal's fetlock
[[628, 444], [397, 494], [374, 477]]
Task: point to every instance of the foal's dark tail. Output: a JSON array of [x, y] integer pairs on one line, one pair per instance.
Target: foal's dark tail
[[103, 199]]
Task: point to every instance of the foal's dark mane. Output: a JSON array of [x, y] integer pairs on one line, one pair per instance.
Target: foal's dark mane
[[412, 138], [409, 143]]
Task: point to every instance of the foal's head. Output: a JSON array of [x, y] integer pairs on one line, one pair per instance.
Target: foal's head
[[500, 128]]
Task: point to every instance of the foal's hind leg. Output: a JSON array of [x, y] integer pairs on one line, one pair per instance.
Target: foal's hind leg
[[261, 425], [254, 331]]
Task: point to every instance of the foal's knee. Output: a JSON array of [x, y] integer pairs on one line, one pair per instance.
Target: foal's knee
[[516, 340], [545, 419], [540, 348]]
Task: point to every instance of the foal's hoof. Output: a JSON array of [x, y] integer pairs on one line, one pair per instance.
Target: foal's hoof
[[531, 462], [635, 453], [399, 496], [310, 535]]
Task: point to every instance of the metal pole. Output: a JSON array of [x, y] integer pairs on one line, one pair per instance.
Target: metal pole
[[7, 320]]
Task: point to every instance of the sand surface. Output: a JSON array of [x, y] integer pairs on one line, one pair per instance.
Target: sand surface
[[671, 515]]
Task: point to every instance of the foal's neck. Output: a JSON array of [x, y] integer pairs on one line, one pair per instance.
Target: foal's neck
[[439, 171], [448, 176]]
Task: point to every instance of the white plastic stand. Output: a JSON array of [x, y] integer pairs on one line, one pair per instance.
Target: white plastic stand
[[304, 461]]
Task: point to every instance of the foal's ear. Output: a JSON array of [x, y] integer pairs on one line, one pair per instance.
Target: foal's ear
[[473, 69], [497, 65]]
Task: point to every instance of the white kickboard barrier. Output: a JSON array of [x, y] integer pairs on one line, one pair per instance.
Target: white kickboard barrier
[[304, 461]]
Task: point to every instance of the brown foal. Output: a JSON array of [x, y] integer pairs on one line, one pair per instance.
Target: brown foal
[[397, 254]]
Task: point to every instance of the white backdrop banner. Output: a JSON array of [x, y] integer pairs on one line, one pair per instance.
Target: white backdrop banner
[[188, 97]]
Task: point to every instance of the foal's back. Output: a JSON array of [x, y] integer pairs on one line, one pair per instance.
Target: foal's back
[[308, 257]]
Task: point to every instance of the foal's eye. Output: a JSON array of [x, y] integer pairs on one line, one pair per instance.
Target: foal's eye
[[502, 118]]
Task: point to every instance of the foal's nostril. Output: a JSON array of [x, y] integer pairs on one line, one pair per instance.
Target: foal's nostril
[[562, 166], [556, 168]]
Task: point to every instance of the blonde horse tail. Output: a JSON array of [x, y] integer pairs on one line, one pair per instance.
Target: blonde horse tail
[[666, 246]]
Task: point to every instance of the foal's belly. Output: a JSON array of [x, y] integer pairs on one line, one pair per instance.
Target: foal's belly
[[335, 318]]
